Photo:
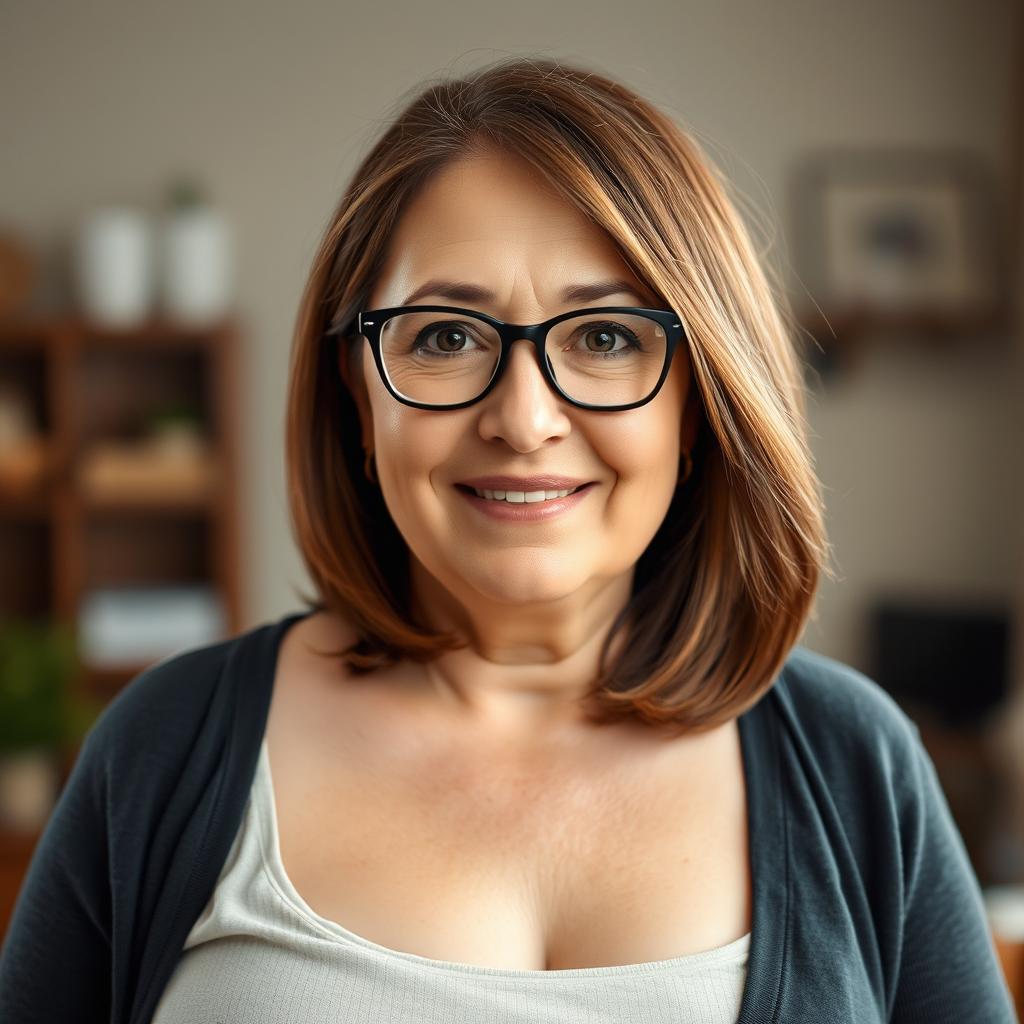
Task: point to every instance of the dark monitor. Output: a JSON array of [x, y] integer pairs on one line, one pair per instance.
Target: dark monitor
[[952, 661]]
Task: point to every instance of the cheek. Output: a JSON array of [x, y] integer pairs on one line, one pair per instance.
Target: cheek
[[647, 469], [417, 453], [407, 440], [642, 452], [415, 459], [408, 468]]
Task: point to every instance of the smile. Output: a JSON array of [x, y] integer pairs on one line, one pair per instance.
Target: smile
[[525, 506], [522, 497]]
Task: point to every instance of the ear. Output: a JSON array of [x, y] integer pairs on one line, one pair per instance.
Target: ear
[[351, 352]]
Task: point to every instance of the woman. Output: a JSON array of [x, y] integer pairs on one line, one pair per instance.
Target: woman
[[544, 747]]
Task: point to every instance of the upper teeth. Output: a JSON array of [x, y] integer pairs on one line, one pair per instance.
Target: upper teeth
[[522, 496]]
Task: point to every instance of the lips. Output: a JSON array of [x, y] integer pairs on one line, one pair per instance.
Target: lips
[[526, 511]]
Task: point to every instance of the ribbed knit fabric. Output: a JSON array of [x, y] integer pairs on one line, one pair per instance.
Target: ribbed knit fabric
[[259, 952]]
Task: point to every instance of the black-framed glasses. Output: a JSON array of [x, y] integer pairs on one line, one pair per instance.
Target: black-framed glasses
[[605, 358]]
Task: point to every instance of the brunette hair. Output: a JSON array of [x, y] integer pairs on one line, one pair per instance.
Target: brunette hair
[[725, 588]]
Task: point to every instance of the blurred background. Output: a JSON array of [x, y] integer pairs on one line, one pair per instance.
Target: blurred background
[[168, 171]]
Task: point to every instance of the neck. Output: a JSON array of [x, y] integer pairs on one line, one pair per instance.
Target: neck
[[525, 667]]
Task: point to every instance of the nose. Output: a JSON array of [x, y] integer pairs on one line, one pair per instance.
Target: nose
[[523, 408]]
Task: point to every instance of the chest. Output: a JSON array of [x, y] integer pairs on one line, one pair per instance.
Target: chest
[[514, 860]]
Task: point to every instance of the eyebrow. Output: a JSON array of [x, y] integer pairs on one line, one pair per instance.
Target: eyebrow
[[462, 291]]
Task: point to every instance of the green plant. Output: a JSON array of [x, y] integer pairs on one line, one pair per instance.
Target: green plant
[[172, 414], [38, 707], [185, 193]]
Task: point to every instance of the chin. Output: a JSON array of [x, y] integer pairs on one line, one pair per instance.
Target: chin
[[519, 584]]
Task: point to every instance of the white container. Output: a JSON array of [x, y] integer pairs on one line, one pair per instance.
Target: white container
[[128, 626], [114, 266], [196, 265]]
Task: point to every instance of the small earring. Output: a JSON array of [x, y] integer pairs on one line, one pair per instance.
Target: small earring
[[688, 468], [367, 467]]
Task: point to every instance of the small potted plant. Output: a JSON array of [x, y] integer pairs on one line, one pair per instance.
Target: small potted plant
[[41, 718], [175, 428]]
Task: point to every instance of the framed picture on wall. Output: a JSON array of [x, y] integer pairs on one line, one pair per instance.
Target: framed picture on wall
[[902, 237]]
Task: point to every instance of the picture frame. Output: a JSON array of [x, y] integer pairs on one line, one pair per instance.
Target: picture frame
[[900, 237]]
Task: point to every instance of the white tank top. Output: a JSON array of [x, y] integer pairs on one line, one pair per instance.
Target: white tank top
[[259, 954]]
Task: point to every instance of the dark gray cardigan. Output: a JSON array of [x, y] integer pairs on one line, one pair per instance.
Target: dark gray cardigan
[[865, 906]]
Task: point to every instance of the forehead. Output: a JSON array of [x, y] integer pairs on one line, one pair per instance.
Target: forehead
[[493, 220]]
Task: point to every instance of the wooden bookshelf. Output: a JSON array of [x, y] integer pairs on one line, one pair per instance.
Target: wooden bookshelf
[[841, 338], [88, 387]]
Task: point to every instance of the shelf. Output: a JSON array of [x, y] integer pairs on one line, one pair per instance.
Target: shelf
[[844, 325], [85, 508], [156, 332], [162, 505]]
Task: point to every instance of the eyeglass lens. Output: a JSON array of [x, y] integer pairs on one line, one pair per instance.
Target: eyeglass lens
[[601, 359]]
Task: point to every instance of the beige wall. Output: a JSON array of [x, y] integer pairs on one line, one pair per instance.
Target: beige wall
[[273, 105]]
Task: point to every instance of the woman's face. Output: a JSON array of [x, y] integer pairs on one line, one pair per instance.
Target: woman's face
[[490, 222]]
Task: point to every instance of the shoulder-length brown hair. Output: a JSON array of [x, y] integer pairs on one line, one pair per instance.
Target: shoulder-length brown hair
[[726, 585]]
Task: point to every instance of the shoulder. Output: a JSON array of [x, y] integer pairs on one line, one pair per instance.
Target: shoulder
[[824, 690], [170, 685], [872, 831], [168, 700], [841, 714]]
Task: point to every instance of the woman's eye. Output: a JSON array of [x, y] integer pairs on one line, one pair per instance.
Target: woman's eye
[[447, 338], [601, 337], [606, 340]]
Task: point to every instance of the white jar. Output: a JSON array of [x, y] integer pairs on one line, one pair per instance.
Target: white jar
[[114, 266], [196, 266]]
